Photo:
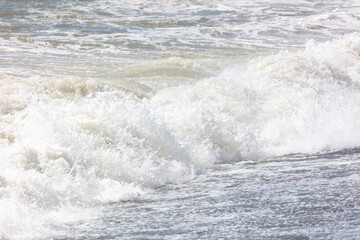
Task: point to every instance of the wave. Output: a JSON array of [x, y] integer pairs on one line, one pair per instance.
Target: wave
[[71, 142]]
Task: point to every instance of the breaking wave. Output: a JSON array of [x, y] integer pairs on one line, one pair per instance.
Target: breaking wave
[[72, 142]]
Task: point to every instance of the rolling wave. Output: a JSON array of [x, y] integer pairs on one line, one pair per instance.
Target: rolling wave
[[72, 141]]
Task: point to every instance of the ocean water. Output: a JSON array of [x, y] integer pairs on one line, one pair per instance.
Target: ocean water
[[179, 119]]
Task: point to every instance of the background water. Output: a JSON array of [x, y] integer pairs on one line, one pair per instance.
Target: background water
[[179, 119]]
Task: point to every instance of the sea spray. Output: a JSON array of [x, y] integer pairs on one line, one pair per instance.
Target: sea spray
[[74, 142]]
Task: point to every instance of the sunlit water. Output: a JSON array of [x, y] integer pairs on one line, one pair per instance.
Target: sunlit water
[[179, 119]]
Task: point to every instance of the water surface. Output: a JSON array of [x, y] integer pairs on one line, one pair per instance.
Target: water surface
[[179, 119]]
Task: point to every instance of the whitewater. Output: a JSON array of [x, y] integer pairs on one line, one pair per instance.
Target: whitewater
[[179, 119]]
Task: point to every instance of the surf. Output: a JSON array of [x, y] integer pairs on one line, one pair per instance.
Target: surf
[[69, 143]]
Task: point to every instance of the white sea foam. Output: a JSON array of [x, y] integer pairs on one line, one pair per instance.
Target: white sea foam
[[130, 27], [70, 142]]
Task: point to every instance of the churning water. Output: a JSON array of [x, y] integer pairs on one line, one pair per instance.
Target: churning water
[[179, 119]]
